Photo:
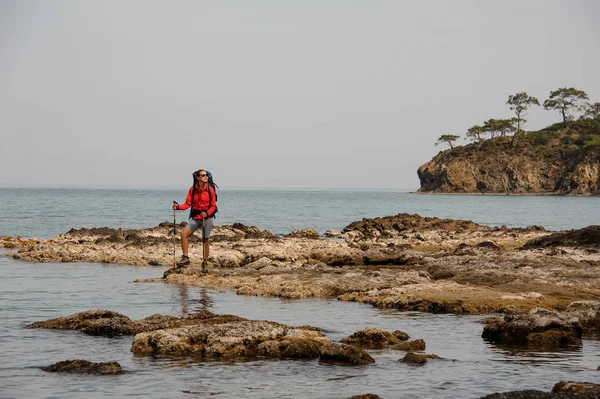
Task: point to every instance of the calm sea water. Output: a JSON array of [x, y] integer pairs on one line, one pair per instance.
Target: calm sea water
[[47, 212], [33, 292]]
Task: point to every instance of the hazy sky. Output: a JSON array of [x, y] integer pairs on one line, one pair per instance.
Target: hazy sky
[[323, 93]]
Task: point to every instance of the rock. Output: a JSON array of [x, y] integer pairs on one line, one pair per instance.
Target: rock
[[411, 346], [417, 359], [562, 390], [304, 233], [231, 337], [529, 167], [539, 327], [345, 354], [84, 367], [372, 338], [587, 236], [92, 322], [576, 387]]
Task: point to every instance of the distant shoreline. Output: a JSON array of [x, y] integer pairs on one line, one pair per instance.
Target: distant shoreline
[[541, 194]]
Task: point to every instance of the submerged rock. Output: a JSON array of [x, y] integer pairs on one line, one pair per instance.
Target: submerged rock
[[418, 359], [84, 367]]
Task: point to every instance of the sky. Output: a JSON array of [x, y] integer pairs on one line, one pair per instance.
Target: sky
[[327, 94]]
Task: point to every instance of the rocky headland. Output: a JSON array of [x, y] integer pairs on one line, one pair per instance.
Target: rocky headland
[[553, 161]]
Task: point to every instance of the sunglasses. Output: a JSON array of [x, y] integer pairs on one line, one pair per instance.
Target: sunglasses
[[202, 175]]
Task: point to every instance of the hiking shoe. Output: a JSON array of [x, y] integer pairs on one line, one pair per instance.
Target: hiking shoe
[[184, 261]]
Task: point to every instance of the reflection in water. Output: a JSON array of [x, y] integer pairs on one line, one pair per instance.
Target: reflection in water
[[204, 302]]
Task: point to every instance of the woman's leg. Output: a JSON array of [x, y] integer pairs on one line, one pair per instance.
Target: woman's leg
[[185, 233]]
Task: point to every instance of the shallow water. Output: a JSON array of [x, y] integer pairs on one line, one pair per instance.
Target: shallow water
[[34, 292]]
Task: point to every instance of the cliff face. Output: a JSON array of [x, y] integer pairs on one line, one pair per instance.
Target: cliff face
[[495, 167]]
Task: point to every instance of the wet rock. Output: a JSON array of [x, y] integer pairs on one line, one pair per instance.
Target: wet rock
[[525, 394], [290, 348], [345, 354], [236, 339], [401, 335], [587, 236], [304, 233], [588, 315], [411, 346], [84, 367], [418, 359], [92, 322], [366, 396], [562, 390], [539, 327], [110, 324], [577, 387], [372, 338]]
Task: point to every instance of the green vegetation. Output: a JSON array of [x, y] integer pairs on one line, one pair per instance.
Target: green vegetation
[[520, 103], [554, 144], [565, 100], [572, 137], [447, 138]]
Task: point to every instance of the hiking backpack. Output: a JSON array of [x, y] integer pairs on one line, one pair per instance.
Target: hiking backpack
[[212, 184]]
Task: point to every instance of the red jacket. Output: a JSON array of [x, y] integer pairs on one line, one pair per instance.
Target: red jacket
[[201, 201]]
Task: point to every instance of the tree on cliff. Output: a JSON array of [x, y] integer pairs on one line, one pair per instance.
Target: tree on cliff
[[592, 112], [519, 103], [565, 100], [500, 127], [447, 138], [474, 133]]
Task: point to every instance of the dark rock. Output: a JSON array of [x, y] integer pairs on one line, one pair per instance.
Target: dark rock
[[577, 387], [417, 359], [372, 338], [84, 367], [345, 354], [411, 346], [539, 327], [585, 237]]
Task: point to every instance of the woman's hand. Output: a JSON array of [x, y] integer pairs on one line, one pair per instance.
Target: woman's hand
[[203, 214]]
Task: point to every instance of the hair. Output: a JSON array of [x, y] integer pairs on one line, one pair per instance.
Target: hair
[[196, 176]]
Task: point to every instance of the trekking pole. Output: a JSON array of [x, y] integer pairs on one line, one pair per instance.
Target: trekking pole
[[204, 268], [174, 232]]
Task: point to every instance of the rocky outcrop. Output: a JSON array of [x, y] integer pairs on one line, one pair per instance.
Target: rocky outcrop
[[493, 166], [543, 328], [406, 262], [205, 335]]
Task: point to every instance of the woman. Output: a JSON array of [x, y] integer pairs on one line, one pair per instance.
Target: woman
[[202, 199]]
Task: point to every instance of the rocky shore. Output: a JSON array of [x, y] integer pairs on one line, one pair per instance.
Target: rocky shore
[[406, 262], [545, 283]]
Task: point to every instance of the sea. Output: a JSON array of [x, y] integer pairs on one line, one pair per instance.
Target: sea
[[471, 368]]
